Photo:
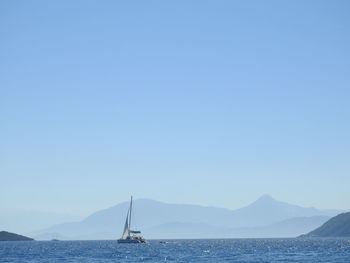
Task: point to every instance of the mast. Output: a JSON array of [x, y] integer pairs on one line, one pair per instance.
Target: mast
[[130, 215]]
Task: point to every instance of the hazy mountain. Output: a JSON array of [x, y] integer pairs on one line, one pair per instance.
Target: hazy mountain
[[292, 227], [150, 215], [287, 228], [267, 210], [338, 226], [24, 221]]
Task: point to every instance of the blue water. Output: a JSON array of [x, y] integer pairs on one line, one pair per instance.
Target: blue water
[[225, 250]]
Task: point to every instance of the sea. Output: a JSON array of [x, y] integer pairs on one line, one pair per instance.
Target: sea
[[203, 250]]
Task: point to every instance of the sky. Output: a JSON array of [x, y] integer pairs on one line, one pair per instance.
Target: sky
[[200, 102]]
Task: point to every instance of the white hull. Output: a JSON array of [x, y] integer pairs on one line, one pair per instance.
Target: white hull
[[129, 241]]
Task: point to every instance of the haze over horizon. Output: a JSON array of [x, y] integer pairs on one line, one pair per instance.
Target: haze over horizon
[[264, 217], [212, 103]]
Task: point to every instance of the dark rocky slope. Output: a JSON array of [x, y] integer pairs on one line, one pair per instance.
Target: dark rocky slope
[[7, 236], [338, 226]]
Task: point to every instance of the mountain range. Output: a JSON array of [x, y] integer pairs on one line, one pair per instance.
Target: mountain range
[[266, 217]]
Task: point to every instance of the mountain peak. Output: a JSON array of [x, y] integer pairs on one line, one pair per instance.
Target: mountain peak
[[265, 197]]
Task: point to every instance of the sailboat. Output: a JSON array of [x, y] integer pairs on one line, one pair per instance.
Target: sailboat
[[130, 236]]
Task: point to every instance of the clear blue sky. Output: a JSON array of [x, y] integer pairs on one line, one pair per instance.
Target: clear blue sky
[[205, 102]]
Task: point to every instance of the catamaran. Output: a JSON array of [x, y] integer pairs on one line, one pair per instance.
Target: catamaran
[[130, 236]]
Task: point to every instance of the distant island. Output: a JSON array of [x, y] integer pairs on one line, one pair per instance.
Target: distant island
[[338, 226], [7, 236]]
